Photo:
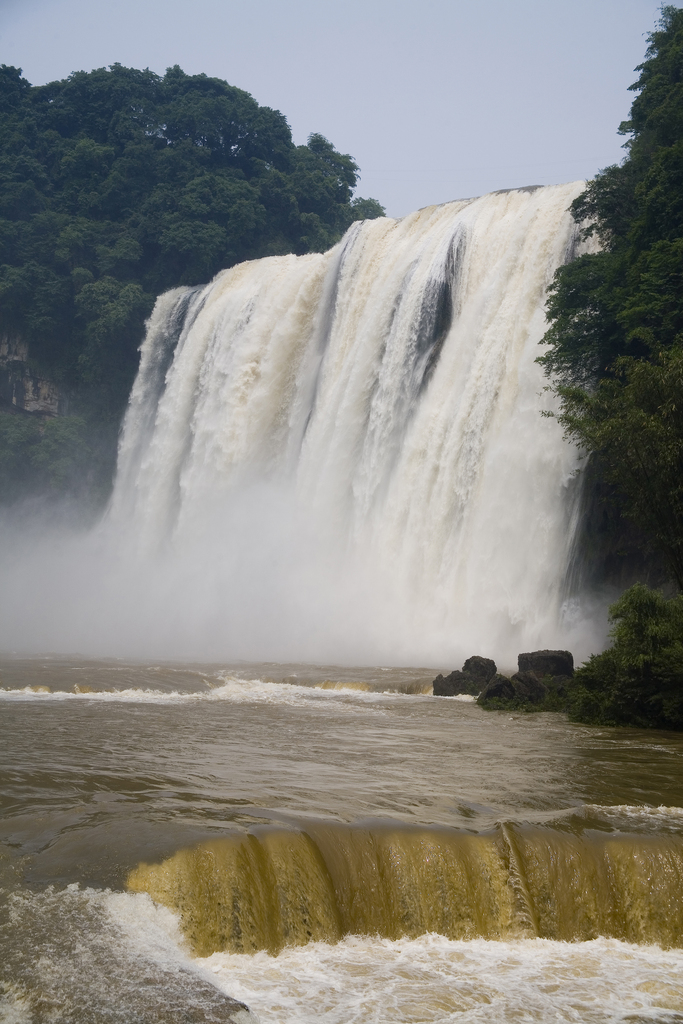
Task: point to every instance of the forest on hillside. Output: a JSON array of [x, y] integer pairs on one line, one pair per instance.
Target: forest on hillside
[[116, 185]]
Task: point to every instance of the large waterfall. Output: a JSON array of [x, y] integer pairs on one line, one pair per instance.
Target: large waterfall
[[337, 458], [343, 454]]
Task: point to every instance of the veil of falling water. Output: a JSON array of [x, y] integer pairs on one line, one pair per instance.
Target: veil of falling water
[[353, 442]]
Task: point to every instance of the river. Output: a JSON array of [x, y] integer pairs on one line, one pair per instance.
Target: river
[[327, 844]]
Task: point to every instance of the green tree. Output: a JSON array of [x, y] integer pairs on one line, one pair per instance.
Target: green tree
[[118, 184], [639, 679], [627, 299], [615, 340], [633, 423]]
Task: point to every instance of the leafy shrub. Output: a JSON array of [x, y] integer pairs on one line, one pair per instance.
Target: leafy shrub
[[639, 679]]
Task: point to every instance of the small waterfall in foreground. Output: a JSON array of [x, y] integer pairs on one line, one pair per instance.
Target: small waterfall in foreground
[[342, 455], [270, 888]]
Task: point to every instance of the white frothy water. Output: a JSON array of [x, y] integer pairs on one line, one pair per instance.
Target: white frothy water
[[86, 955], [341, 456], [128, 960], [434, 980], [344, 697]]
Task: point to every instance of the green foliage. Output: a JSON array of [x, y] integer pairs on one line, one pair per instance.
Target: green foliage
[[627, 299], [615, 340], [637, 681], [118, 184], [48, 456], [616, 356]]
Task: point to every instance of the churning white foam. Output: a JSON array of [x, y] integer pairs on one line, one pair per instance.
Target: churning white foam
[[80, 954], [127, 941], [343, 696], [433, 980]]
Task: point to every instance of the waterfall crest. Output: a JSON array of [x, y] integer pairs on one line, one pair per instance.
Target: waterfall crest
[[347, 450]]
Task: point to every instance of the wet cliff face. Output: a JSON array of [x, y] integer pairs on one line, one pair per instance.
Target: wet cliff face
[[21, 388], [610, 552]]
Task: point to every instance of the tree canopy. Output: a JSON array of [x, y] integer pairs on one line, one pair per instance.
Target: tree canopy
[[627, 299], [118, 184]]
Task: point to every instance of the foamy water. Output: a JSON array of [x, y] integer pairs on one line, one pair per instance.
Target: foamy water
[[432, 979], [230, 690], [360, 980]]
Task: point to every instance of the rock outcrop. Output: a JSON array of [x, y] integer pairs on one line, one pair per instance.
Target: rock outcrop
[[480, 668], [547, 663], [475, 674], [21, 389], [455, 684], [528, 686], [498, 688], [541, 682]]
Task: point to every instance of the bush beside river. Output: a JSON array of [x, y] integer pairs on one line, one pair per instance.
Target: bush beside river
[[638, 681]]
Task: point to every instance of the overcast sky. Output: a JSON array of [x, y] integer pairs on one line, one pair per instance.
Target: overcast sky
[[435, 99]]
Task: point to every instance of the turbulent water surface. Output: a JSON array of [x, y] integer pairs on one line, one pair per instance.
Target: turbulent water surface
[[327, 845]]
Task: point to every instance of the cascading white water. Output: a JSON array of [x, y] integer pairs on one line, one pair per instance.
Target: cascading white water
[[342, 456]]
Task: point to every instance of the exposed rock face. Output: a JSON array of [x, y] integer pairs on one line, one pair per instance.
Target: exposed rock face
[[527, 686], [499, 687], [480, 668], [455, 684], [475, 674], [542, 680], [23, 390], [547, 663]]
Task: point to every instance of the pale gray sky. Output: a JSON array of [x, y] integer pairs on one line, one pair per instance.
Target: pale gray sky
[[436, 100]]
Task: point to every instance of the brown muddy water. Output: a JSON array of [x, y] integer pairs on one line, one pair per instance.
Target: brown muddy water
[[327, 845]]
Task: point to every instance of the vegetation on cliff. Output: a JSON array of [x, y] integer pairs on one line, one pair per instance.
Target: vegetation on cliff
[[615, 344], [615, 357], [118, 184], [638, 681]]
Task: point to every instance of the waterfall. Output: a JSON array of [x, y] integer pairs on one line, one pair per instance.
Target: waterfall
[[342, 455], [273, 887]]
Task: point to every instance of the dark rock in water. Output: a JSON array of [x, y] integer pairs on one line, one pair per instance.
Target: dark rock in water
[[547, 663], [527, 686], [482, 669], [500, 688], [475, 674], [455, 684]]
